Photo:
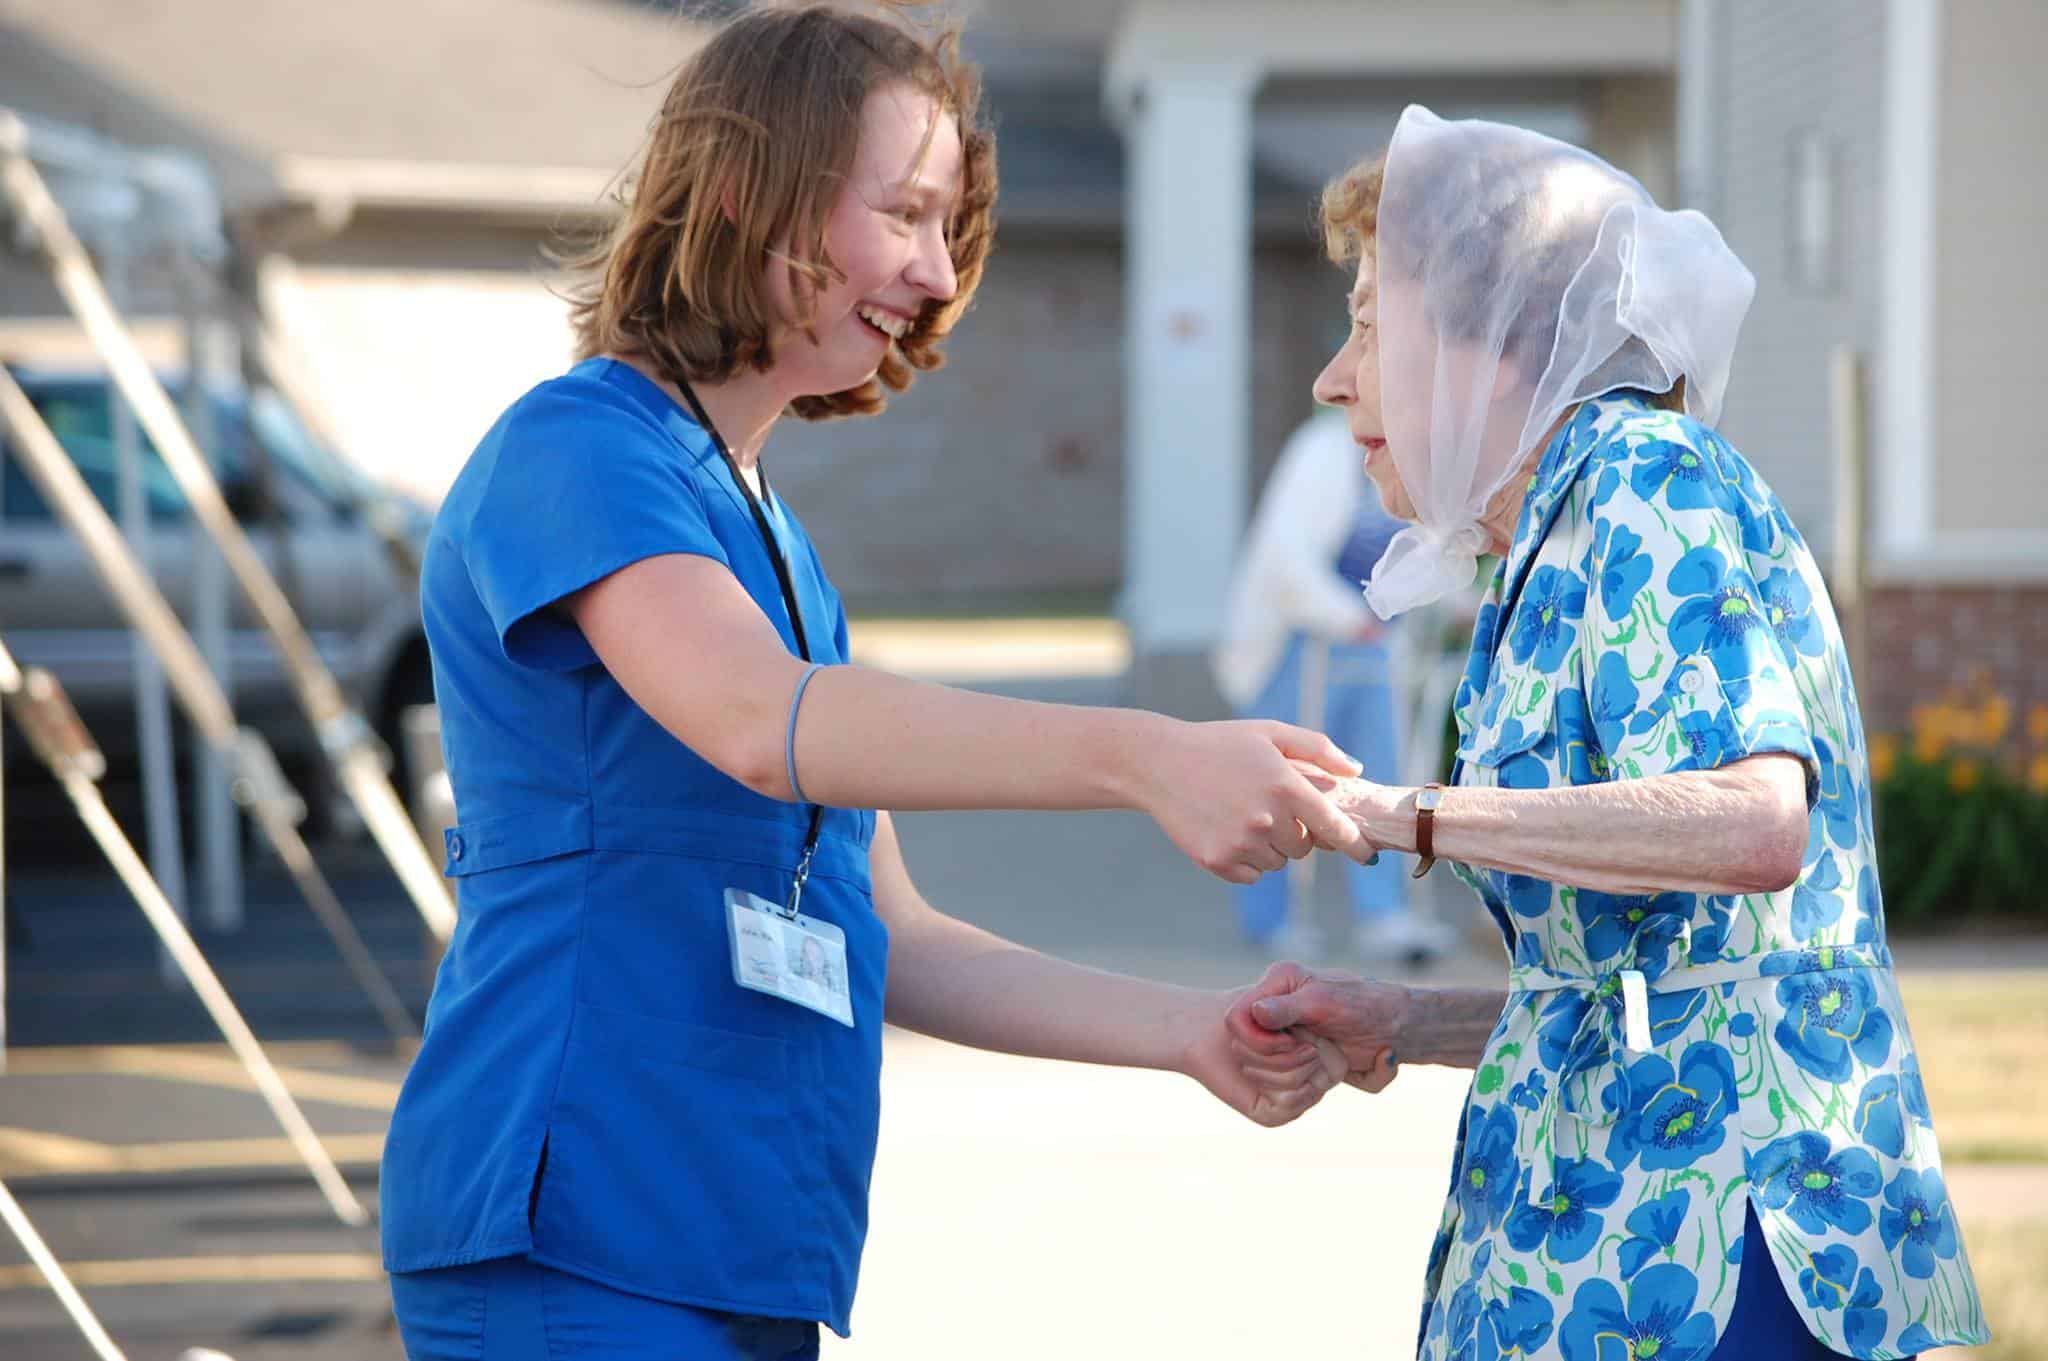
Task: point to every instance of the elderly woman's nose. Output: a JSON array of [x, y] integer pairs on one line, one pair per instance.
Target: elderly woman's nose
[[1334, 385]]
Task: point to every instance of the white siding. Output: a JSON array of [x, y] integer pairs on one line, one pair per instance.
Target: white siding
[[1991, 269], [1780, 71]]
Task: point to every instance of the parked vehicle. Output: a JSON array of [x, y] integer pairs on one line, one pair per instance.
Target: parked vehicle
[[345, 551]]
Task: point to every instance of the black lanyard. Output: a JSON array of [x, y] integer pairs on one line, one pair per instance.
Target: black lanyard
[[782, 577]]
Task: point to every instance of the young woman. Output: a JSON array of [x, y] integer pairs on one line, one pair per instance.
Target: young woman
[[632, 1130]]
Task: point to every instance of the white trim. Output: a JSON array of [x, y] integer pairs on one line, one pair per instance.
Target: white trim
[[1968, 557], [1406, 39], [1906, 355], [1698, 88], [350, 183]]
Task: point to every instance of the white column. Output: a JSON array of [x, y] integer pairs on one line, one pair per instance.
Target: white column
[[1903, 409], [1187, 347]]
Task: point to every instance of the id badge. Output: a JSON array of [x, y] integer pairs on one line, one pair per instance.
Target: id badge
[[799, 959]]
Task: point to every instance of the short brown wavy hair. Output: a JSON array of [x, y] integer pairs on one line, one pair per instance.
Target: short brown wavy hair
[[1350, 217], [764, 121]]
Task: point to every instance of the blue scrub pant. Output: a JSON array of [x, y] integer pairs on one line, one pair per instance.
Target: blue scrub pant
[[513, 1309], [1358, 715]]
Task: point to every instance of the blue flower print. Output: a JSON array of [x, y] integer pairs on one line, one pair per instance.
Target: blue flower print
[[1915, 1339], [1527, 896], [1831, 1015], [1804, 1176], [1486, 1182], [1863, 1323], [1611, 921], [1817, 902], [1653, 1227], [1558, 1027], [1869, 907], [1917, 1215], [1836, 810], [1528, 1094], [1681, 474], [1462, 1321], [1624, 567], [1720, 608], [1742, 1026], [1913, 1091], [1710, 937], [1584, 761], [1828, 1276], [1788, 609], [1561, 1219], [1520, 1323], [1614, 699], [1878, 1117], [1709, 738], [1657, 1322], [1547, 618], [1673, 1120]]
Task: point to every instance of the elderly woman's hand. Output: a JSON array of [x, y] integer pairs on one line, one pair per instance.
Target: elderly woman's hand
[[1360, 1017], [1366, 804], [1269, 1078]]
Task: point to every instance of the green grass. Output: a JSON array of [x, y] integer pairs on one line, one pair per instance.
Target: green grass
[[1983, 1042]]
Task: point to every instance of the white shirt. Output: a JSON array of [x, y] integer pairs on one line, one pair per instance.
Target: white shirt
[[1286, 580]]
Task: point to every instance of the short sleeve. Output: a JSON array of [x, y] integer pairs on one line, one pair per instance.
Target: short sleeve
[[579, 488], [1685, 669]]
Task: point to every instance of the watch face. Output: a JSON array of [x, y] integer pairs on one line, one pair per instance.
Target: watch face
[[1427, 800]]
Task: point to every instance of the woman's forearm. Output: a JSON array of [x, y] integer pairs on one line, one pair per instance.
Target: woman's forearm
[[867, 738], [1739, 829], [956, 982], [1448, 1026]]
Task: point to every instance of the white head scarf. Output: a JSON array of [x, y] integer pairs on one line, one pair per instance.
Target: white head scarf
[[1518, 276]]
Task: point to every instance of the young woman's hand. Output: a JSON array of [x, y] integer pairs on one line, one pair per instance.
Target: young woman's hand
[[1268, 1078], [1231, 796]]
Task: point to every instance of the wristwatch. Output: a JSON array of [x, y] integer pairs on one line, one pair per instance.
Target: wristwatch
[[1427, 800]]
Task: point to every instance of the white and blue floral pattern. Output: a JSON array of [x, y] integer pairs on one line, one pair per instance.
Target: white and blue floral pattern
[[1657, 612]]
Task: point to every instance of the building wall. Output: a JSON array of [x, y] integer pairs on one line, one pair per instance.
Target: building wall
[[1781, 73], [1991, 267], [1001, 473], [1927, 641], [1004, 472]]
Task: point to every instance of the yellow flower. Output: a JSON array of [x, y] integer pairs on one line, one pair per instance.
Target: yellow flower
[[1930, 732], [1994, 720], [2037, 773], [1884, 755], [1962, 776], [2037, 724]]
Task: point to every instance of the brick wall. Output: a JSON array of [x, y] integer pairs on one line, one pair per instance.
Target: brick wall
[[1925, 640]]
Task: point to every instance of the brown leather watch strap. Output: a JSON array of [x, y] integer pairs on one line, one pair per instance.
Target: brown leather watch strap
[[1426, 800]]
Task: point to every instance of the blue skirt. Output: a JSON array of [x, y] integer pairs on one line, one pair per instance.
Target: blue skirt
[[514, 1309]]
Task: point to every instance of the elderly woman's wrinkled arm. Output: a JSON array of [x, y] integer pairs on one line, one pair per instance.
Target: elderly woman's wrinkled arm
[[1741, 828]]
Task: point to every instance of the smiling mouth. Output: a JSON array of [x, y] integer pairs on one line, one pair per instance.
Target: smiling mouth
[[888, 323]]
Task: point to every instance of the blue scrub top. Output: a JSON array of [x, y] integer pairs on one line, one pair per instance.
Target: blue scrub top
[[700, 1142]]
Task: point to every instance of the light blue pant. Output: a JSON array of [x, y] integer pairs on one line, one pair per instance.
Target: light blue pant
[[1358, 715]]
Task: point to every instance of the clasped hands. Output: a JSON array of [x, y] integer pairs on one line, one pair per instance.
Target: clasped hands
[[1292, 1036]]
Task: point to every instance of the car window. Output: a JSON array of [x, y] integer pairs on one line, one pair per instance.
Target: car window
[[81, 418]]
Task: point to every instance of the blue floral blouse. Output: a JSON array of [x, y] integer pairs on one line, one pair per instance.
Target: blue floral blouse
[[1664, 1058]]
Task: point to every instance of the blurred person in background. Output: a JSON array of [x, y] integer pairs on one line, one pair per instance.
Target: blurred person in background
[[1698, 1126], [1300, 645], [629, 1131]]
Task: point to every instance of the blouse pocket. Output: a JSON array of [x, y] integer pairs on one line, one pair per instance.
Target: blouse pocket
[[1514, 745]]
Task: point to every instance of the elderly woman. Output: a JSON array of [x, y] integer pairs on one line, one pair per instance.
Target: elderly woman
[[1701, 1068]]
